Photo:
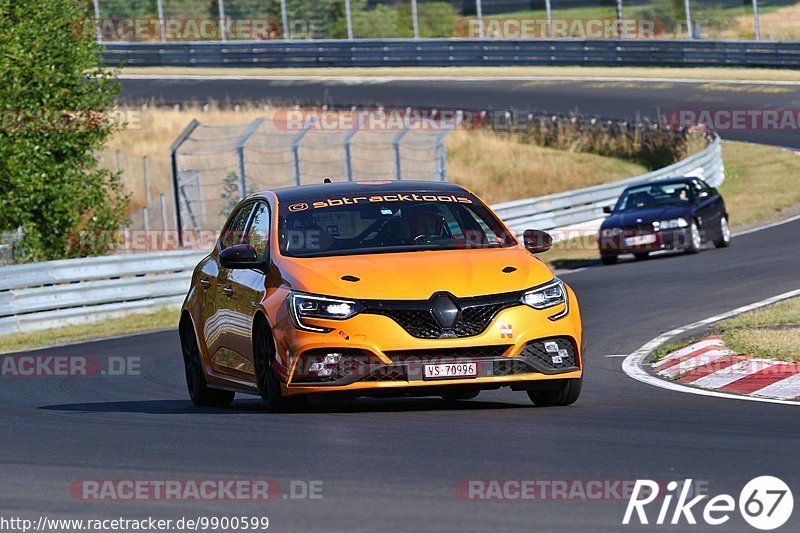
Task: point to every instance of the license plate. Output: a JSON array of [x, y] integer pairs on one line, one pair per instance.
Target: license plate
[[451, 370], [639, 240]]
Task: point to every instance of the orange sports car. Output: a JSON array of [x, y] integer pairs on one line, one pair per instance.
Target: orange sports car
[[393, 288]]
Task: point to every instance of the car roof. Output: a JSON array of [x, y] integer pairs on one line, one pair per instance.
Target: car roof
[[302, 192], [667, 181]]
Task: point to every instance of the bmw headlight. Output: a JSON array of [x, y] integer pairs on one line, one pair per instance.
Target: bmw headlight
[[671, 224], [545, 296], [304, 305]]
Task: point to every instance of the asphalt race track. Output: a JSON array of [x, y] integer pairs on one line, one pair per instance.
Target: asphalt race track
[[393, 465], [608, 99]]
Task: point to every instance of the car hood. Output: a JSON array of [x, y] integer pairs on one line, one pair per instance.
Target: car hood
[[646, 216], [417, 275]]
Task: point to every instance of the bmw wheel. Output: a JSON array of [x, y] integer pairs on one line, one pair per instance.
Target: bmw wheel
[[724, 239], [695, 240]]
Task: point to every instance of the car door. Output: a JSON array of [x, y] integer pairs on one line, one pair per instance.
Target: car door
[[708, 208], [246, 290], [227, 316]]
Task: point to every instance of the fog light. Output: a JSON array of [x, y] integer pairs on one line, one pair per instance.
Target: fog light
[[558, 358], [332, 358], [551, 347], [325, 372], [316, 367]]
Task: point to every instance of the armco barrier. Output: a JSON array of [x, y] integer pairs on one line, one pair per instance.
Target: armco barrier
[[584, 205], [57, 293], [456, 52]]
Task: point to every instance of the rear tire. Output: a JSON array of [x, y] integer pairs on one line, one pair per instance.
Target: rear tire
[[608, 259], [566, 394], [724, 239], [454, 396], [642, 256], [199, 391]]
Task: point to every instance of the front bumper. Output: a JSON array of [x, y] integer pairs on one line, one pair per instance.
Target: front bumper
[[377, 354], [630, 241]]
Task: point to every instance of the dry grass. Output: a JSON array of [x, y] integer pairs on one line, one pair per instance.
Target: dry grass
[[782, 344], [787, 312], [500, 168], [704, 74], [783, 24], [165, 318]]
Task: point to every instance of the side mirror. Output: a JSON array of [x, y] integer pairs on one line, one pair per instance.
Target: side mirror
[[608, 210], [240, 256], [537, 242], [703, 195]]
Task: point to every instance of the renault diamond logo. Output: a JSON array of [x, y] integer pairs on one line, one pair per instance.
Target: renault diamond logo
[[445, 311]]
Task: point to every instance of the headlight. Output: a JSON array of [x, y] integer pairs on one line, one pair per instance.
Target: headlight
[[549, 295], [308, 306], [671, 224]]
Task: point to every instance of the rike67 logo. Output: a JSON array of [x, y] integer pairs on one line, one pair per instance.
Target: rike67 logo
[[765, 503]]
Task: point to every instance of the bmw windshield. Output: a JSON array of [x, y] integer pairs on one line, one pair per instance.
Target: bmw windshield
[[384, 223], [654, 196]]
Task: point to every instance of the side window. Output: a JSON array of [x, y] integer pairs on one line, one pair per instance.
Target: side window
[[234, 233], [258, 233]]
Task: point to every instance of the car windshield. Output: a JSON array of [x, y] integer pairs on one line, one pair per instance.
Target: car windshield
[[382, 223], [653, 196]]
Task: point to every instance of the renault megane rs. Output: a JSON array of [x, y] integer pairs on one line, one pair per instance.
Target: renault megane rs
[[377, 289]]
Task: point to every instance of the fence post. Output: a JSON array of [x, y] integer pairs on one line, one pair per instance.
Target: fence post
[[398, 168], [284, 20], [296, 152], [173, 159], [163, 212], [479, 14], [162, 24], [689, 25], [756, 21], [348, 160], [548, 18], [147, 198], [620, 24], [348, 15], [415, 18], [240, 142], [97, 21], [222, 31]]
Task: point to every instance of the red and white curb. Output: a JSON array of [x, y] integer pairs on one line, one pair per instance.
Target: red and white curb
[[709, 364], [636, 365]]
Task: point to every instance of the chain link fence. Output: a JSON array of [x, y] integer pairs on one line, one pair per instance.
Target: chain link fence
[[215, 166], [257, 20]]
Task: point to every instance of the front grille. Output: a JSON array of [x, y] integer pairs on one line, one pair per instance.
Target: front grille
[[447, 354], [417, 319]]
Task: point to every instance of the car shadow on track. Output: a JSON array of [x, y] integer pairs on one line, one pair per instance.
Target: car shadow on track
[[183, 407]]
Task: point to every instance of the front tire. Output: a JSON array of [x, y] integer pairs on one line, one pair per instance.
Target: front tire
[[566, 394], [642, 256], [268, 382], [724, 239], [608, 259], [695, 239], [199, 391]]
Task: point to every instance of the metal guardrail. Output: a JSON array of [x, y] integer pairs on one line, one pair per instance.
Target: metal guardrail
[[456, 52], [57, 293], [585, 205]]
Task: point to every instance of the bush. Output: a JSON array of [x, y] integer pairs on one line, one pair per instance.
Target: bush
[[56, 100]]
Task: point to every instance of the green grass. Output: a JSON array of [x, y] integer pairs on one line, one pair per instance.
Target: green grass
[[786, 312], [772, 332], [163, 318], [663, 351]]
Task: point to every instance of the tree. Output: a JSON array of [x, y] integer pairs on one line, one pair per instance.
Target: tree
[[56, 101]]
